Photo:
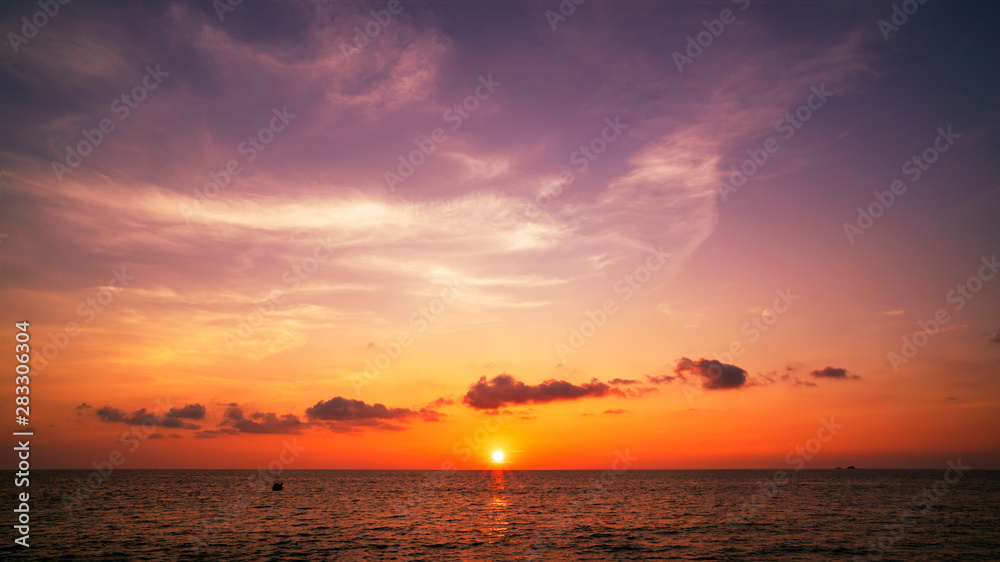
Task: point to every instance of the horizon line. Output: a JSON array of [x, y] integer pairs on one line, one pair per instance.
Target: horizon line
[[526, 469]]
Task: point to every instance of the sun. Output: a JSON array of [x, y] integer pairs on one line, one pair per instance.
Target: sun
[[498, 456]]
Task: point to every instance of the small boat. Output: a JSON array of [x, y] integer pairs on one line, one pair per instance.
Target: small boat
[[278, 486], [852, 467]]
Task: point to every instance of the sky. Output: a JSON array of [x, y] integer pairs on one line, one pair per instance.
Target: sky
[[407, 234]]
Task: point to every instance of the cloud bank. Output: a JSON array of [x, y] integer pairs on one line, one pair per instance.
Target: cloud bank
[[172, 419], [505, 390], [346, 414]]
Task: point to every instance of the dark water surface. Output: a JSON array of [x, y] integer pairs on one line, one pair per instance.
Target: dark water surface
[[514, 515]]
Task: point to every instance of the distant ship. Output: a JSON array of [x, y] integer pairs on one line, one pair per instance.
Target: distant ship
[[279, 486], [852, 467]]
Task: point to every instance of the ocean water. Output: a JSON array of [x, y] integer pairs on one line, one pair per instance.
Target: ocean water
[[513, 515]]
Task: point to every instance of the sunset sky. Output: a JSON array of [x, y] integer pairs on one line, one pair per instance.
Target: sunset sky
[[568, 236]]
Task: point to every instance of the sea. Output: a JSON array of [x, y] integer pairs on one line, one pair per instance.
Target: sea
[[494, 515]]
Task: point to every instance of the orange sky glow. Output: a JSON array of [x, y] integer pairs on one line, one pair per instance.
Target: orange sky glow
[[478, 233]]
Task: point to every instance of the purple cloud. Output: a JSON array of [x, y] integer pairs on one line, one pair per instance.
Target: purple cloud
[[349, 415], [833, 373], [261, 422], [503, 390], [714, 375]]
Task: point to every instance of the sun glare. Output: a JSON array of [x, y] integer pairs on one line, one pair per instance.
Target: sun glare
[[497, 456]]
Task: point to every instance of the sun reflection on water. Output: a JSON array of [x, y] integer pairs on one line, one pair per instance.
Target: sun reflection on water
[[497, 525]]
